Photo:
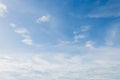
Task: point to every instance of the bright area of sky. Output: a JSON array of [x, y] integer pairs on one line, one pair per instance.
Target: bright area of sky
[[59, 39]]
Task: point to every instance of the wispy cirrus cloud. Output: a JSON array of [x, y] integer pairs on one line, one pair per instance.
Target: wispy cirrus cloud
[[113, 34], [81, 33], [110, 9]]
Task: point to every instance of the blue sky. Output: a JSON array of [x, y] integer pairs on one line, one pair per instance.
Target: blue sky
[[59, 39]]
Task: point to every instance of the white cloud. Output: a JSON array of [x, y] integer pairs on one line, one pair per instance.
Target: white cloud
[[98, 64], [43, 19], [3, 9], [89, 44], [25, 34], [21, 31], [79, 37], [27, 41]]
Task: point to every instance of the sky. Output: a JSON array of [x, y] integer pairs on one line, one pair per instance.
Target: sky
[[59, 39]]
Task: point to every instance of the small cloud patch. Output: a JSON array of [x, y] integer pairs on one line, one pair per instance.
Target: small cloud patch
[[43, 19], [3, 9]]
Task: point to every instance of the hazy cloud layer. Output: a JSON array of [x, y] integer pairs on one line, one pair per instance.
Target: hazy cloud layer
[[98, 64]]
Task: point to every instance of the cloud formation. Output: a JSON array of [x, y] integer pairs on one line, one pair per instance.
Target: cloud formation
[[3, 9], [23, 32], [78, 55], [81, 33], [98, 64], [110, 9], [79, 37], [43, 19], [89, 44], [27, 41], [113, 34]]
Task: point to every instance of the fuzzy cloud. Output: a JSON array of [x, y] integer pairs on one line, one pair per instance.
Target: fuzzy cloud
[[43, 19], [81, 33], [113, 34], [27, 41], [79, 37], [23, 32], [89, 44], [98, 64], [3, 9]]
